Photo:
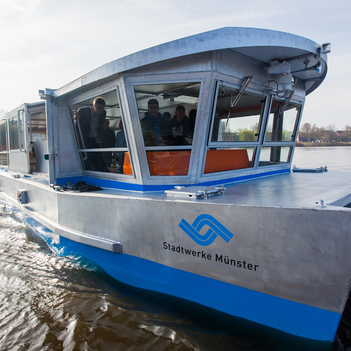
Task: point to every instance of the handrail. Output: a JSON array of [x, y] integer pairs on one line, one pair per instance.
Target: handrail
[[106, 149]]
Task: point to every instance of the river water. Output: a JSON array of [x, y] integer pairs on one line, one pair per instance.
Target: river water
[[48, 302]]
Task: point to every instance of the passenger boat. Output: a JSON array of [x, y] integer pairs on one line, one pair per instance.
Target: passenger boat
[[209, 212]]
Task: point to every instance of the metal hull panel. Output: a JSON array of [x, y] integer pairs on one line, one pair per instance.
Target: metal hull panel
[[284, 267], [282, 314]]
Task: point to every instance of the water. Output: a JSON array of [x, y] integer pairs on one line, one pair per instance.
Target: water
[[49, 302], [337, 158]]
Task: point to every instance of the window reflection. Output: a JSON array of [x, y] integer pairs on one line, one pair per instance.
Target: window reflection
[[282, 123], [232, 126], [167, 115], [100, 133], [16, 131], [240, 123], [274, 155], [3, 144], [13, 131]]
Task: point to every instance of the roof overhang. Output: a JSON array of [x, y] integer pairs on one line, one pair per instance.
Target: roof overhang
[[261, 44]]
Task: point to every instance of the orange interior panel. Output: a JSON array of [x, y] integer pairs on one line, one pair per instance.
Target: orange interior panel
[[163, 163], [168, 163], [127, 167], [226, 160]]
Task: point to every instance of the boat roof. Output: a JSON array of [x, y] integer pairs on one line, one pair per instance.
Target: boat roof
[[261, 44], [32, 105]]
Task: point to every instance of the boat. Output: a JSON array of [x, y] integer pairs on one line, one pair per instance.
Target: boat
[[313, 170], [207, 208]]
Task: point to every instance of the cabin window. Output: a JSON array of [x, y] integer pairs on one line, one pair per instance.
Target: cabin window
[[239, 123], [102, 141], [274, 155], [167, 114], [37, 125], [282, 122], [3, 144], [16, 133], [281, 129], [234, 133]]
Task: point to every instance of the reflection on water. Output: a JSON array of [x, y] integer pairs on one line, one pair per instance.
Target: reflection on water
[[67, 303]]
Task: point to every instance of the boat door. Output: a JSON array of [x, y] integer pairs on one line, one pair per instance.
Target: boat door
[[37, 138], [18, 157], [27, 138]]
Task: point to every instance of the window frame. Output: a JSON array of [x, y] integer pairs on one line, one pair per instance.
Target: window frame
[[20, 131], [144, 164], [91, 95], [256, 145], [281, 143], [296, 123]]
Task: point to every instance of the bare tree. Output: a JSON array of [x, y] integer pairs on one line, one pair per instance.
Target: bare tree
[[331, 127], [307, 131], [347, 133]]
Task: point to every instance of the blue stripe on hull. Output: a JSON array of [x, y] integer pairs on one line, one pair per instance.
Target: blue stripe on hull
[[288, 316], [113, 184]]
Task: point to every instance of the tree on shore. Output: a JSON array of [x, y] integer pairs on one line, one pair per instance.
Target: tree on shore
[[311, 133], [307, 132]]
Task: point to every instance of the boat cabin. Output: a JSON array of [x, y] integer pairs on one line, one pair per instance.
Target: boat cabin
[[213, 108], [23, 139]]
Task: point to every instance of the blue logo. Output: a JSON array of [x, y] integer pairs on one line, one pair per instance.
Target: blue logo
[[215, 229]]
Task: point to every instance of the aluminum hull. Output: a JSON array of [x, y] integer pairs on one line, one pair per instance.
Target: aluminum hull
[[286, 265]]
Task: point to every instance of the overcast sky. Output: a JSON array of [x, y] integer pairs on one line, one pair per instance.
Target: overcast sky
[[49, 43]]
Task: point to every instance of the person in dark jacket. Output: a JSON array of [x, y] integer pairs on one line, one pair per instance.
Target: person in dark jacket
[[91, 120], [153, 125], [179, 126]]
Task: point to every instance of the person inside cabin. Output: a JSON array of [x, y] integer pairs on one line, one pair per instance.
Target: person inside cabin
[[179, 126], [192, 118], [120, 142], [168, 138], [153, 126], [91, 120], [166, 116], [109, 141]]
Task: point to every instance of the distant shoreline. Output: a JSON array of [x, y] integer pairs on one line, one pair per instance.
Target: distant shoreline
[[299, 144]]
